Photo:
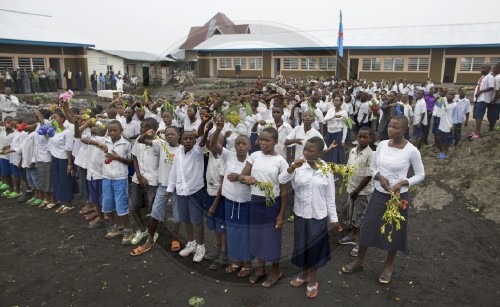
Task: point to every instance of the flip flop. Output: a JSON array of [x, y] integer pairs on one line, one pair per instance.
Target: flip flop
[[232, 268], [348, 269], [385, 278], [65, 209], [175, 246], [60, 209], [244, 272], [86, 210], [140, 250], [298, 281], [346, 241], [312, 293], [256, 278], [271, 282]]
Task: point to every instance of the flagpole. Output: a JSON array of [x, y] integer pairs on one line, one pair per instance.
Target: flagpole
[[340, 46]]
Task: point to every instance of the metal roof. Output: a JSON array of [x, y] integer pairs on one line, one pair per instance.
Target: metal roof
[[36, 29], [137, 55], [436, 36]]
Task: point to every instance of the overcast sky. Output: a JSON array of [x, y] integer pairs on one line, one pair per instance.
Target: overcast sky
[[157, 26]]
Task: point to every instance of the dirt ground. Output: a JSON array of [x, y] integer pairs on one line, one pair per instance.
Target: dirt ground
[[50, 259]]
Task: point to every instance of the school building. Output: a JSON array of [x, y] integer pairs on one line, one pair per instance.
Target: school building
[[31, 41], [443, 53]]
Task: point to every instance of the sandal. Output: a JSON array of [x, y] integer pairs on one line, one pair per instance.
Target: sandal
[[87, 209], [385, 278], [175, 246], [298, 281], [355, 251], [140, 250], [346, 241], [43, 205], [232, 268], [91, 216], [312, 292], [271, 282], [244, 272], [65, 209], [50, 205], [349, 268], [60, 209], [256, 278]]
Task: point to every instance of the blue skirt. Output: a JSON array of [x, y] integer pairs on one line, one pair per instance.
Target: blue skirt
[[265, 239], [63, 184], [311, 247], [336, 155], [237, 217], [370, 229]]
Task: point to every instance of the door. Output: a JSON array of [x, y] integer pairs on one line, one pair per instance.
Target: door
[[276, 67], [353, 69], [56, 66], [213, 68], [145, 75], [450, 65]]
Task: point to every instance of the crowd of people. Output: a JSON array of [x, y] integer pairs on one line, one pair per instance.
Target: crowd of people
[[41, 80], [235, 162]]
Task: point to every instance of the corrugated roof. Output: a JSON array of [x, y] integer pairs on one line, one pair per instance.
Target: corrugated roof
[[136, 55], [36, 29], [463, 35]]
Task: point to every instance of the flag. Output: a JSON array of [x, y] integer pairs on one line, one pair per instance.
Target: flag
[[340, 40]]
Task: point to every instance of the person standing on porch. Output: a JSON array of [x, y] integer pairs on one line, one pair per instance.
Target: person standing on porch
[[52, 75], [7, 77], [69, 79], [79, 80], [93, 81]]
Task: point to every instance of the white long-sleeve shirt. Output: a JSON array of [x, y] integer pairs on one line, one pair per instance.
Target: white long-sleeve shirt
[[393, 164], [186, 176], [335, 122], [8, 104], [314, 193]]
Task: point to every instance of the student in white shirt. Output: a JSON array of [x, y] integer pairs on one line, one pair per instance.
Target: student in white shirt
[[419, 118], [446, 108], [460, 116], [190, 120], [483, 95], [145, 180], [8, 104], [237, 203], [300, 134], [495, 102], [131, 127], [28, 161], [186, 179], [115, 180], [314, 209], [168, 151], [336, 132], [266, 217], [408, 112], [6, 135]]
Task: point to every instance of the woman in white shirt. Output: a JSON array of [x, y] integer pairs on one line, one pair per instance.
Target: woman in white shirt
[[314, 209], [336, 132], [389, 167], [60, 147]]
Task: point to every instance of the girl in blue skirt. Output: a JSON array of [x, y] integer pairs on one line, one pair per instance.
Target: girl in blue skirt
[[266, 222], [314, 208]]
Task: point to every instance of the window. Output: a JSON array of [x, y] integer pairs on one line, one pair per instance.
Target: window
[[255, 63], [6, 62], [471, 64], [371, 64], [109, 68], [290, 63], [327, 63], [31, 64], [418, 64], [308, 63], [393, 64], [240, 61], [225, 63], [494, 61]]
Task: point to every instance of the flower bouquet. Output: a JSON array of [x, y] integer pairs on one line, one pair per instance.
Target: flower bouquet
[[49, 130], [346, 171], [392, 216], [21, 127], [66, 95], [268, 189], [374, 108]]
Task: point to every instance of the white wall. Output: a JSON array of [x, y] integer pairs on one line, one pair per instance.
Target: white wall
[[98, 61]]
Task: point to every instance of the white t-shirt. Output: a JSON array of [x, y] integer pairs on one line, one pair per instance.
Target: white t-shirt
[[497, 86], [215, 170], [446, 112], [166, 162], [5, 140], [486, 82], [116, 170], [299, 133], [364, 110], [420, 108], [234, 191], [266, 168], [148, 158], [95, 161], [60, 143], [131, 129]]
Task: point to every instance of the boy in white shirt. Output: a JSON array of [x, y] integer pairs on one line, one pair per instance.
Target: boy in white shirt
[[460, 116], [145, 180], [445, 108], [14, 151], [419, 118], [6, 135]]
